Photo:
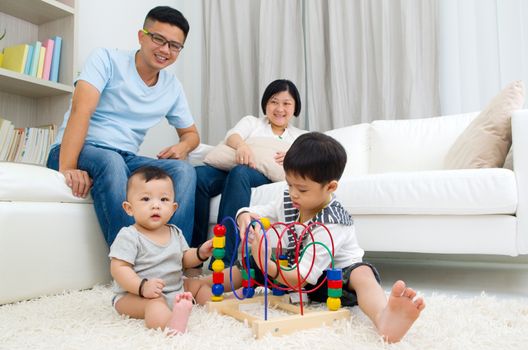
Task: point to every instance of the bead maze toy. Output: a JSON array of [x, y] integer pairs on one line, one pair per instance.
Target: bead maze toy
[[299, 317]]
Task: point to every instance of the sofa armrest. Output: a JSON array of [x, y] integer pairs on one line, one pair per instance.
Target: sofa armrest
[[197, 156], [520, 167]]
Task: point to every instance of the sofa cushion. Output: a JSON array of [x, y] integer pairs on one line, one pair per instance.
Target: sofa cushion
[[439, 192], [34, 183], [355, 140], [264, 149], [414, 144], [487, 140]]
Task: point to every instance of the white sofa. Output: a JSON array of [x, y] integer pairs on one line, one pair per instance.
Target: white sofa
[[394, 185], [402, 199]]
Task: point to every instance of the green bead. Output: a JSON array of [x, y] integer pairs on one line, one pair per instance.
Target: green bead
[[219, 253], [245, 276], [335, 293]]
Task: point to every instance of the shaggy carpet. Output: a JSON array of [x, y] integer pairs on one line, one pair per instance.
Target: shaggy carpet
[[86, 320]]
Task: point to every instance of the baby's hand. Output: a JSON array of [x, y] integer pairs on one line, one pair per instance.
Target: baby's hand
[[153, 288], [206, 249]]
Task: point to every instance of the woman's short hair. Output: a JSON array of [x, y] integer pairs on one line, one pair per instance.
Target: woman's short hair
[[281, 85]]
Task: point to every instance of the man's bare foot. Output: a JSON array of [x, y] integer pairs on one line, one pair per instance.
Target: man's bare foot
[[181, 310], [400, 313]]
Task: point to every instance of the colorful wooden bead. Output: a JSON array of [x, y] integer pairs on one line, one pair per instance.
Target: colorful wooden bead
[[334, 274], [335, 284], [249, 292], [333, 304], [245, 275], [218, 253], [246, 283], [219, 242], [217, 297], [218, 265], [218, 277], [277, 291], [335, 293], [219, 230], [217, 289], [265, 222]]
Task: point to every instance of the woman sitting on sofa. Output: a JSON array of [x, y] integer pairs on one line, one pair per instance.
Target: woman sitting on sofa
[[280, 102]]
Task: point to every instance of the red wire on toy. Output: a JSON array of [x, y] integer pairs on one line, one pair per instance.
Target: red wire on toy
[[298, 241]]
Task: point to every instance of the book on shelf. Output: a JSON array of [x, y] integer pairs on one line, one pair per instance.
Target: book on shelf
[[40, 67], [1, 58], [15, 58], [35, 59], [6, 134], [26, 145], [48, 44], [55, 60], [27, 69]]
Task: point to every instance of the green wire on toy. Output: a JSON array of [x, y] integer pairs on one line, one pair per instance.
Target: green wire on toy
[[333, 275]]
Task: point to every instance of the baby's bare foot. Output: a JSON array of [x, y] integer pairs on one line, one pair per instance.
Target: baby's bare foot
[[181, 310], [400, 313]]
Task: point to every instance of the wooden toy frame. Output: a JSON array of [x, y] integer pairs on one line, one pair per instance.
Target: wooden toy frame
[[280, 325]]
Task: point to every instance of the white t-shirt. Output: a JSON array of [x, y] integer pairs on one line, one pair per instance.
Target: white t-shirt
[[251, 126], [335, 218]]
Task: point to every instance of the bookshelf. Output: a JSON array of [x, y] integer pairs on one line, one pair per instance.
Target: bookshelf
[[28, 101]]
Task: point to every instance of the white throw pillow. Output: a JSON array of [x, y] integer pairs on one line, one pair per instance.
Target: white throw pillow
[[263, 148]]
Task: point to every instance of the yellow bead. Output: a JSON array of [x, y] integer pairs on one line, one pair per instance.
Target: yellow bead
[[217, 298], [218, 265], [333, 304], [265, 222], [219, 242]]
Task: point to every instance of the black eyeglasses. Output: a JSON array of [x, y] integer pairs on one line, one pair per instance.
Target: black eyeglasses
[[161, 41]]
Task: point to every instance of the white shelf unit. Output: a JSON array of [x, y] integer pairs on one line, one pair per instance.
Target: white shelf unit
[[29, 101]]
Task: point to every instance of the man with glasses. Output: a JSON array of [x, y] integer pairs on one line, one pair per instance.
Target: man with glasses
[[118, 97]]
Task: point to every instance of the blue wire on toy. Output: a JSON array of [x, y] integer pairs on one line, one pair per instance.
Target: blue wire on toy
[[248, 267]]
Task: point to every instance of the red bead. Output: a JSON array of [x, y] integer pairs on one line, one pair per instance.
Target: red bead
[[245, 283], [218, 277], [219, 230], [335, 284]]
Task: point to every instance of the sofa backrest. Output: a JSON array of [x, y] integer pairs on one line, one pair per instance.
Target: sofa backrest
[[355, 140], [414, 144]]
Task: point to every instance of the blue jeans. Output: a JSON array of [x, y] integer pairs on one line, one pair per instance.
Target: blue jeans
[[235, 187], [110, 168]]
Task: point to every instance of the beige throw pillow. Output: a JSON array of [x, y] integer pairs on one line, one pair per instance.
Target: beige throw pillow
[[263, 148], [487, 139]]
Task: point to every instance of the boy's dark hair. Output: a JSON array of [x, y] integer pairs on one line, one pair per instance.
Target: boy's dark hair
[[317, 157], [148, 173], [281, 85], [167, 14]]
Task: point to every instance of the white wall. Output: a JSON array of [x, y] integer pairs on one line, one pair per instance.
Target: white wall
[[102, 23]]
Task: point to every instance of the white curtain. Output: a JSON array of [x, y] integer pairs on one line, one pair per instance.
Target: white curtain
[[370, 60], [353, 61], [483, 45]]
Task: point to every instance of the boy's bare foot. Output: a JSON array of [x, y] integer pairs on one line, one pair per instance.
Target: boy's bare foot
[[181, 310], [400, 313]]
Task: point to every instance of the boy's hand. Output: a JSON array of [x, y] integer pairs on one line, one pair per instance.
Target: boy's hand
[[243, 221], [153, 288], [260, 255]]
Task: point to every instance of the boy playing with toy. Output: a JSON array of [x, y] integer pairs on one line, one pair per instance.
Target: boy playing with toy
[[148, 257], [313, 166]]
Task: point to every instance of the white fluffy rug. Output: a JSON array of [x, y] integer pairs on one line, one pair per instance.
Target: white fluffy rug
[[86, 320]]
